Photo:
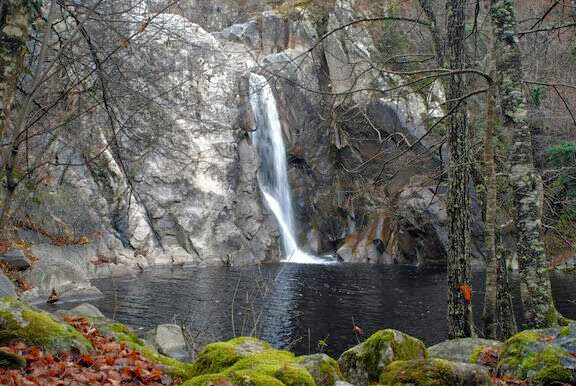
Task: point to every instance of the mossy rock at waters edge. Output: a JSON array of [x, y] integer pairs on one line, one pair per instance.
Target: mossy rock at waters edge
[[545, 356], [463, 349], [362, 364], [434, 371], [248, 361], [20, 322], [323, 368], [122, 333]]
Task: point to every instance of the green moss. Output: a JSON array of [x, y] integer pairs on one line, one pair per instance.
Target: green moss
[[277, 364], [545, 366], [529, 356], [124, 334], [240, 378], [249, 358], [404, 348], [221, 355], [422, 372], [515, 347], [22, 323], [174, 368], [324, 369], [475, 354], [364, 362]]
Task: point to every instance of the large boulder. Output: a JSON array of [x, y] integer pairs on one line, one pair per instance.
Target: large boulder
[[362, 364], [247, 361], [464, 349], [169, 340], [434, 372], [323, 368], [66, 270], [84, 309], [543, 356]]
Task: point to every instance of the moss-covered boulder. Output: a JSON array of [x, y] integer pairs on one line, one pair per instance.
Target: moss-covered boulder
[[362, 364], [20, 322], [248, 361], [244, 378], [434, 371], [543, 356], [323, 368], [471, 350], [221, 355]]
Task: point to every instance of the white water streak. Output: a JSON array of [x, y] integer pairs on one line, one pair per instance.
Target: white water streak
[[273, 172]]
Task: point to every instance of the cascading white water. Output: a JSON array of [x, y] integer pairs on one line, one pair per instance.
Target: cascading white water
[[273, 172]]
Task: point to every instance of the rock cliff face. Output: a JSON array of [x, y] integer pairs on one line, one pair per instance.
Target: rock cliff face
[[361, 165]]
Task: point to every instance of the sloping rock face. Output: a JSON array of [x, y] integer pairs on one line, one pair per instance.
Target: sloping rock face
[[186, 190]]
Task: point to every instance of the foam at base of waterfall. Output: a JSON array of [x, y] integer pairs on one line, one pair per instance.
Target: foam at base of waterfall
[[301, 257], [293, 253]]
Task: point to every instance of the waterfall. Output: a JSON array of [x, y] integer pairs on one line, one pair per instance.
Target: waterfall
[[273, 172]]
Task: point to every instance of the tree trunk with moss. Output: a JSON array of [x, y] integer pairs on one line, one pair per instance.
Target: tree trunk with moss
[[535, 286], [458, 206], [490, 314], [16, 17]]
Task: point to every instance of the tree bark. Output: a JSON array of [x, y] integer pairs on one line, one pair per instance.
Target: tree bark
[[490, 315], [427, 7], [16, 17], [505, 325], [535, 286], [460, 322]]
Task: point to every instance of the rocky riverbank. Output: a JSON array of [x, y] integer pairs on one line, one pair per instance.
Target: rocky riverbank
[[102, 351]]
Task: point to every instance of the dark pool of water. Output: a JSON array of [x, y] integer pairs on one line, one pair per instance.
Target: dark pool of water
[[294, 306]]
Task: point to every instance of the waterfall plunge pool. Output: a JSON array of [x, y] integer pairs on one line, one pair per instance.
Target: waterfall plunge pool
[[305, 304]]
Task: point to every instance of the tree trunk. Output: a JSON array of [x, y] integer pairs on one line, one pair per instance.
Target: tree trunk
[[490, 315], [505, 320], [535, 286], [458, 208], [16, 17], [427, 7]]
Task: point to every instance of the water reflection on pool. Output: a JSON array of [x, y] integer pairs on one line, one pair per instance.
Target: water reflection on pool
[[304, 304]]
